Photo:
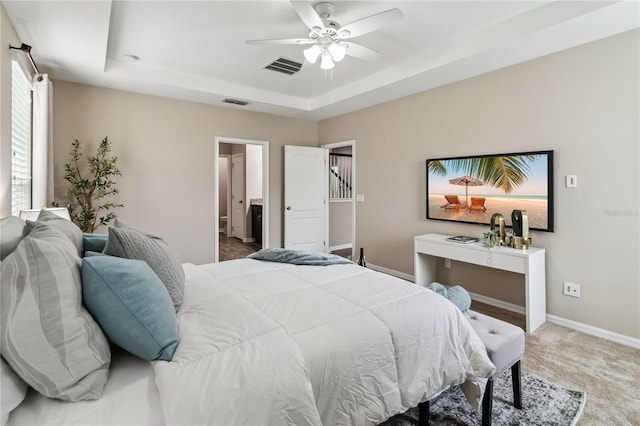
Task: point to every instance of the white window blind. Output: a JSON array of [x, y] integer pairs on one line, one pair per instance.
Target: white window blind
[[20, 139]]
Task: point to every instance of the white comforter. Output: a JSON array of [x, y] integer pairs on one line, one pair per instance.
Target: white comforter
[[276, 344]]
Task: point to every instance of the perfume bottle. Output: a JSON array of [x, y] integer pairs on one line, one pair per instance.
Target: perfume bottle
[[361, 260]]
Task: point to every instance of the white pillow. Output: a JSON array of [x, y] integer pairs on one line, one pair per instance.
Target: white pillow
[[12, 390]]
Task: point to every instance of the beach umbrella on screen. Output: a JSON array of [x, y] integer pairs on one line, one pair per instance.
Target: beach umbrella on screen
[[467, 181]]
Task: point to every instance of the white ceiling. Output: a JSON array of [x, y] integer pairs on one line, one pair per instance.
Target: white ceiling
[[195, 50]]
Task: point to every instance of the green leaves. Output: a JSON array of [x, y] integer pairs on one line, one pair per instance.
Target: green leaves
[[506, 172], [88, 210]]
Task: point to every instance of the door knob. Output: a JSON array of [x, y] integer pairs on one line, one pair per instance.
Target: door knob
[[288, 207]]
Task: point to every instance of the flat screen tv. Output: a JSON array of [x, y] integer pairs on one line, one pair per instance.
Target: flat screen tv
[[471, 189]]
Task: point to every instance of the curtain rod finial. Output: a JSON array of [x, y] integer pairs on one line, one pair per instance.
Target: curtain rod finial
[[24, 47]]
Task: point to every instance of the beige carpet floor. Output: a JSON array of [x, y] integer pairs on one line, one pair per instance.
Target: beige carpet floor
[[608, 372]]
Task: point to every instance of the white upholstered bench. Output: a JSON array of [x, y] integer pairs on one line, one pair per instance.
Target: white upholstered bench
[[505, 347]]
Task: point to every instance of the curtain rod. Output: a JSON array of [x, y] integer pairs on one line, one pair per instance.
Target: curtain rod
[[27, 49]]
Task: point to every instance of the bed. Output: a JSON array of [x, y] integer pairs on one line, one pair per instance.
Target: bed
[[280, 344]]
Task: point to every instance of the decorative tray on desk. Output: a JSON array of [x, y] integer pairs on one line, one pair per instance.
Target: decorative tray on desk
[[462, 239]]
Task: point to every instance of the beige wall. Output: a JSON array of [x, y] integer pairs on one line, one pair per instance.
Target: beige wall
[[165, 150], [8, 37], [584, 104], [340, 223]]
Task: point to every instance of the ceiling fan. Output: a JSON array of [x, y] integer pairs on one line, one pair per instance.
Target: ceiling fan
[[328, 39]]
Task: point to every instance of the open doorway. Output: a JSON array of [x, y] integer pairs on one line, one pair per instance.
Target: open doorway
[[342, 195], [241, 197]]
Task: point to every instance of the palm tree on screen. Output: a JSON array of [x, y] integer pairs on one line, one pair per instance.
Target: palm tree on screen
[[506, 172]]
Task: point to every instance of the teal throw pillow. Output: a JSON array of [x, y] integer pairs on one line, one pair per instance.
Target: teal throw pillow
[[93, 242], [456, 294], [460, 297], [438, 288], [131, 305]]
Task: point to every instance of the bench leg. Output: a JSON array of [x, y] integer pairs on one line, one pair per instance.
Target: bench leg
[[487, 403], [423, 414], [517, 387]]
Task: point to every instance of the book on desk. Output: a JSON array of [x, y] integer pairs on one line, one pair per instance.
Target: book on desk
[[462, 239]]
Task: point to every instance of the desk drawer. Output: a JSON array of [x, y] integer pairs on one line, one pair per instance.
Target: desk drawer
[[507, 262], [494, 258]]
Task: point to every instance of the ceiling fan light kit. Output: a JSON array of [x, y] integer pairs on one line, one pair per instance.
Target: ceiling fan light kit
[[327, 61], [326, 36]]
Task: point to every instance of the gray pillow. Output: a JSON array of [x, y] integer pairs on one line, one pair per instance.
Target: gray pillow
[[65, 226], [46, 335], [11, 229], [132, 243], [12, 390]]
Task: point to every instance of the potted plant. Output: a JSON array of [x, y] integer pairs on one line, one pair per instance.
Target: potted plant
[[89, 207]]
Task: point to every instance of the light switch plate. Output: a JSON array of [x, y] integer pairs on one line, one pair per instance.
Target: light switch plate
[[360, 198], [571, 181]]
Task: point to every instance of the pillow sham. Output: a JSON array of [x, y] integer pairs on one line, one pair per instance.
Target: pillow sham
[[131, 305], [46, 335], [132, 243], [12, 391], [11, 230], [65, 226]]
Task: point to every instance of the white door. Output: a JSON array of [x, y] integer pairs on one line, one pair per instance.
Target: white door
[[305, 198], [237, 196]]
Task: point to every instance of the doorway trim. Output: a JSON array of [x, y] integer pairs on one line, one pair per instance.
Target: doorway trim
[[352, 144], [216, 190], [227, 158]]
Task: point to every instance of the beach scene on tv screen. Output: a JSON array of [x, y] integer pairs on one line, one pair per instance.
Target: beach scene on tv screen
[[473, 189]]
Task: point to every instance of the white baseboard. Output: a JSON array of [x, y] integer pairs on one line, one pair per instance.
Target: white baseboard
[[595, 331], [391, 272], [574, 325], [340, 247], [498, 303]]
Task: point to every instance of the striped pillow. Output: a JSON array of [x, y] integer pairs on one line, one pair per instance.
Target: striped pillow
[[63, 225], [132, 243], [11, 229], [46, 335]]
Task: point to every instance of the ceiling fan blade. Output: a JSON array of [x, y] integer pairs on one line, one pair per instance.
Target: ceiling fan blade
[[282, 41], [361, 52], [371, 23], [307, 13]]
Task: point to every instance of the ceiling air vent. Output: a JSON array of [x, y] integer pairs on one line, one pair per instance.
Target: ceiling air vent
[[285, 66], [235, 101]]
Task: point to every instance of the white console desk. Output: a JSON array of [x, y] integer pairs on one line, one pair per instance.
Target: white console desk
[[529, 262]]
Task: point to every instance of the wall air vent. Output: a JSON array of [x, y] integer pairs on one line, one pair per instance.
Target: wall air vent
[[235, 101], [285, 66]]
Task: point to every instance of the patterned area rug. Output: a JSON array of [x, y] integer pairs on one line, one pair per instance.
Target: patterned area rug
[[543, 404]]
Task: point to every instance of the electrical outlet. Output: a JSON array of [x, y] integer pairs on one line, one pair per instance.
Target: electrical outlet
[[447, 263], [571, 289]]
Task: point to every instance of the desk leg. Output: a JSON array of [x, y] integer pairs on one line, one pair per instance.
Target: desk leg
[[424, 269], [535, 292]]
